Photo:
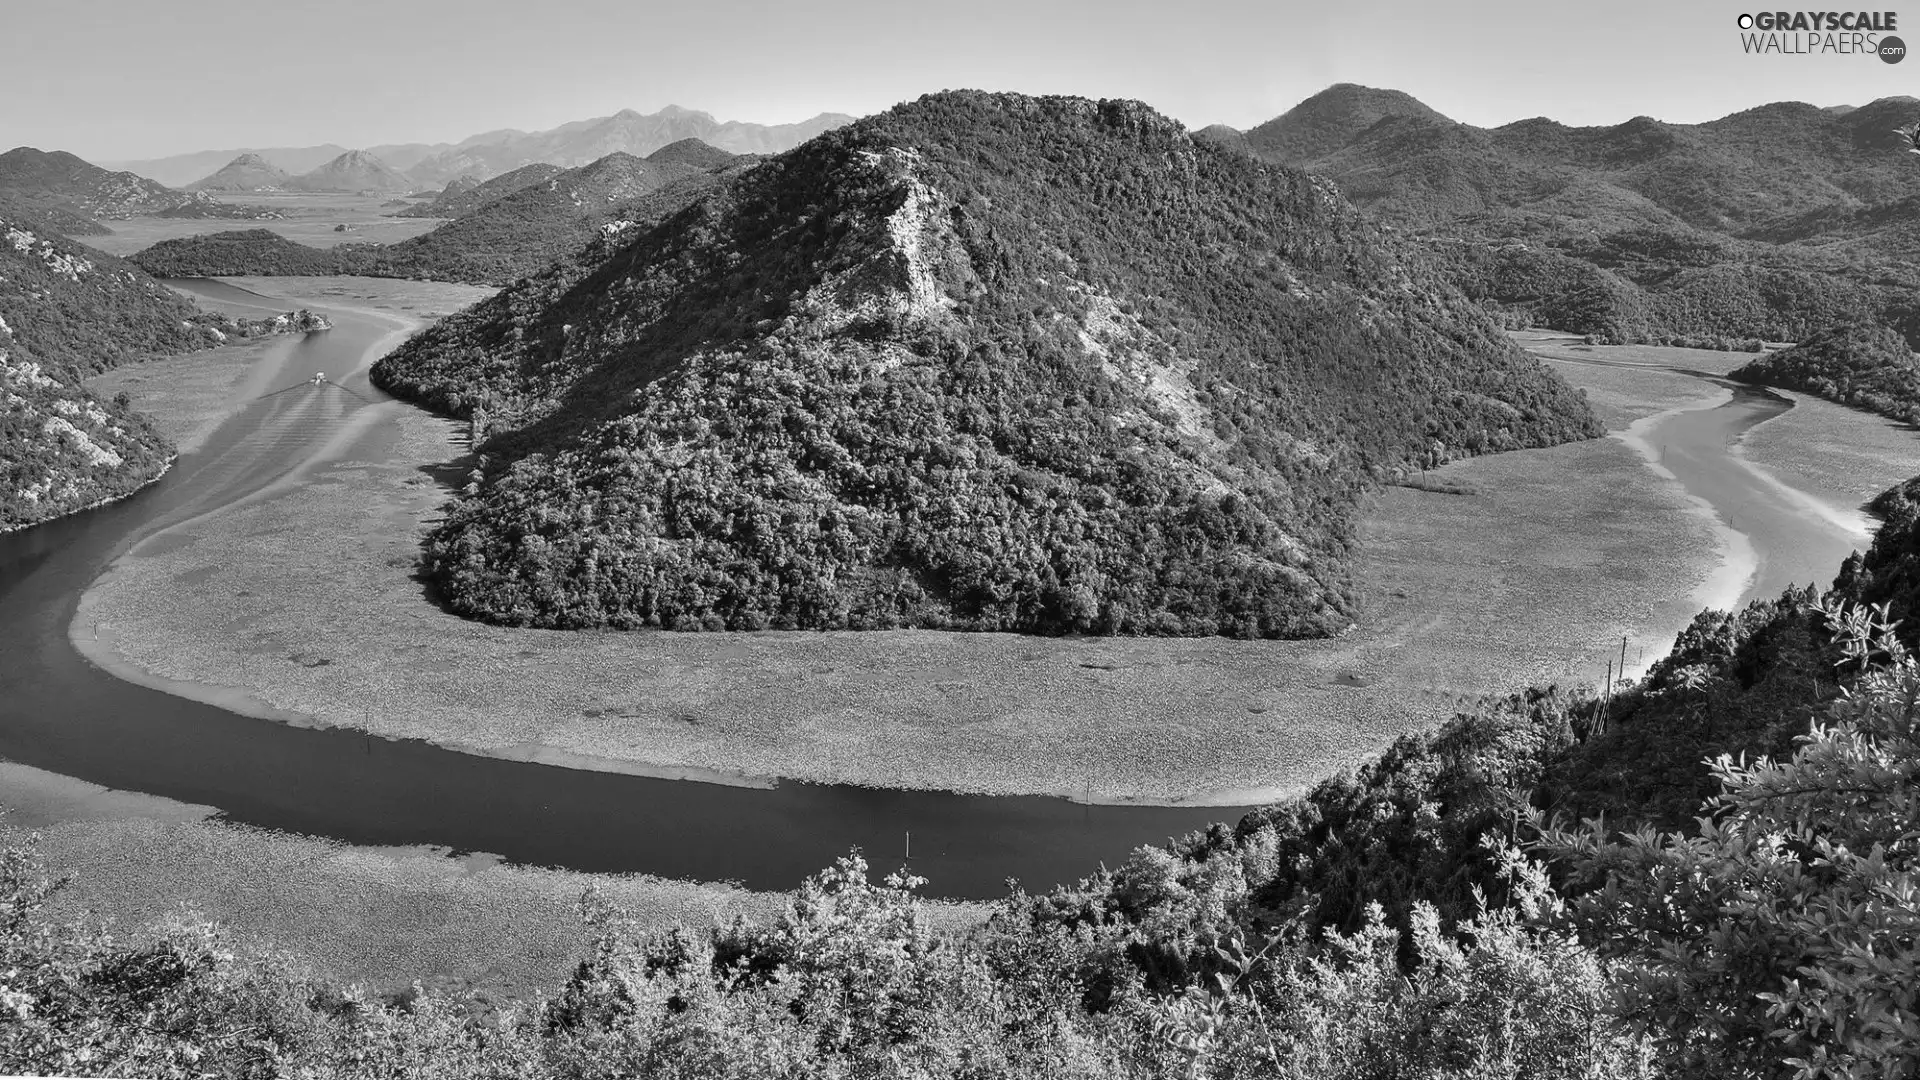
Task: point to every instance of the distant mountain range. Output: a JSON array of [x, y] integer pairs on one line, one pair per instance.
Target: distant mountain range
[[506, 228], [494, 152], [74, 194], [1779, 172], [1770, 223], [56, 183]]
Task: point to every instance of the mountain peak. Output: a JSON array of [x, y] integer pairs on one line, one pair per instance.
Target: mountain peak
[[246, 172], [691, 151], [355, 170], [1331, 119]]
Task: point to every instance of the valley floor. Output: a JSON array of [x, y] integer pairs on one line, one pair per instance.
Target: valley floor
[[309, 218], [1530, 577]]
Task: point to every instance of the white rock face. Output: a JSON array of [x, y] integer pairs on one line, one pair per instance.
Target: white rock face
[[26, 374], [71, 267], [60, 428]]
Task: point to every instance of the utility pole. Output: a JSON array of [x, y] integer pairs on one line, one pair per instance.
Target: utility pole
[[1606, 713]]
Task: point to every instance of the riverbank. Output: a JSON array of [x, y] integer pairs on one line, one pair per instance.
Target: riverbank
[[381, 917], [305, 605], [1736, 562]]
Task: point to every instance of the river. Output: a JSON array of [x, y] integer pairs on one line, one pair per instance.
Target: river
[[60, 713]]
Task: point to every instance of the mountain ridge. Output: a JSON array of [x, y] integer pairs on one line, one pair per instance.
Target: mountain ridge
[[58, 182], [1770, 222], [500, 150]]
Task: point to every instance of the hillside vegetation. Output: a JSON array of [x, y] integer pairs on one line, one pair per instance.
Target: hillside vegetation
[[465, 194], [522, 231], [243, 252], [1854, 363], [61, 448], [982, 362], [81, 309]]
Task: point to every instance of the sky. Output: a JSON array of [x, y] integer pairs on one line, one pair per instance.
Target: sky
[[127, 79]]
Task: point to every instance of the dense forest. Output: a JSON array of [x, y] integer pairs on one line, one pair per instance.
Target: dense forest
[[61, 448], [981, 362], [242, 252], [1855, 363], [1686, 880]]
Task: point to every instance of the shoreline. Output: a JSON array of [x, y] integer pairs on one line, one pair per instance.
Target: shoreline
[[165, 467], [1739, 563], [303, 609]]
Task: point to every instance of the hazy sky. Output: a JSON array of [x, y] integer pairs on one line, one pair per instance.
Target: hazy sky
[[119, 79]]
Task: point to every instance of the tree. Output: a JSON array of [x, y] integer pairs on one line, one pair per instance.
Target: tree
[[1783, 939]]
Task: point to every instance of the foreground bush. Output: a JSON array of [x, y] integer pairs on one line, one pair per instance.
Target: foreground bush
[[1785, 934]]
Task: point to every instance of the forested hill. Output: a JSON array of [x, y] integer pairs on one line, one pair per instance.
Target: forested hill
[[1854, 363], [984, 362], [79, 308], [464, 198], [520, 231], [61, 448]]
